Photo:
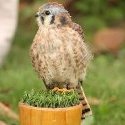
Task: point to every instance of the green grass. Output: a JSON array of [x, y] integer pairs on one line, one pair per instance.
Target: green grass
[[50, 98], [105, 81]]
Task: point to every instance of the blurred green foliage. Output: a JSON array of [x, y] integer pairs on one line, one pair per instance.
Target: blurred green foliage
[[105, 9], [105, 78]]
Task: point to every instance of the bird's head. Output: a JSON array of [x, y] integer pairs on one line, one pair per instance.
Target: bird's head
[[52, 13]]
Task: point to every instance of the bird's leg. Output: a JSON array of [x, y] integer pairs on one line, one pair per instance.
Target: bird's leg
[[49, 86], [70, 87]]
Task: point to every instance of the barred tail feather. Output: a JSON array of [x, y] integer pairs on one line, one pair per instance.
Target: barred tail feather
[[86, 111], [86, 107]]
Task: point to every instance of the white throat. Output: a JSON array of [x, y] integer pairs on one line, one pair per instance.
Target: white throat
[[47, 20]]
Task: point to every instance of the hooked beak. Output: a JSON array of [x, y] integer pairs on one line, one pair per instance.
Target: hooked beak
[[37, 15]]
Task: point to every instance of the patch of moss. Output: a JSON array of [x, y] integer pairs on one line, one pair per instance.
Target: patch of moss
[[50, 99]]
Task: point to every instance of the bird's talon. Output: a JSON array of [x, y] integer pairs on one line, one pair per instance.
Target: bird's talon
[[55, 89], [64, 90]]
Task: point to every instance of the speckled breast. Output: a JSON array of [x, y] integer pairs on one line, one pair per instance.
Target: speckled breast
[[58, 54]]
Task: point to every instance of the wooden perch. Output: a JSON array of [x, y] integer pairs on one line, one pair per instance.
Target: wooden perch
[[8, 112]]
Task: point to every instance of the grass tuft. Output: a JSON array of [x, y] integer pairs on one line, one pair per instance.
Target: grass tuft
[[50, 99]]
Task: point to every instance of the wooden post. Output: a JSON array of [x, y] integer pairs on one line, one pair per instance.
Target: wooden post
[[30, 115]]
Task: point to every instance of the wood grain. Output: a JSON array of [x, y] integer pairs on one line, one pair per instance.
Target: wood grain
[[50, 116]]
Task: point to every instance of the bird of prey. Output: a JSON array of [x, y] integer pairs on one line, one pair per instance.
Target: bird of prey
[[58, 52]]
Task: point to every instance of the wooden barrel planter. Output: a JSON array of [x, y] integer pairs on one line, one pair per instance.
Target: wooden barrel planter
[[30, 115], [35, 110]]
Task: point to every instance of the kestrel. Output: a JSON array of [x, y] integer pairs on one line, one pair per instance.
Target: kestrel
[[59, 53]]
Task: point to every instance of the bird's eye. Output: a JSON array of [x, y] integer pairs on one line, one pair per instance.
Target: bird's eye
[[47, 12]]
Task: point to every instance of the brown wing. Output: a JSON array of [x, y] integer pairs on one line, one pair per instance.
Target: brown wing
[[83, 52], [77, 28]]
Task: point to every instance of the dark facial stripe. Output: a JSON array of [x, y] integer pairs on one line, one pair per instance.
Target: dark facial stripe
[[42, 19], [63, 20], [52, 21]]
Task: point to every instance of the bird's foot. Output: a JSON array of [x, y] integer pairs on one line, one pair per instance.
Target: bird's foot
[[64, 90], [55, 89]]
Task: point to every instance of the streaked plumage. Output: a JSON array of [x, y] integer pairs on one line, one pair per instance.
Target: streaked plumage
[[59, 53]]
